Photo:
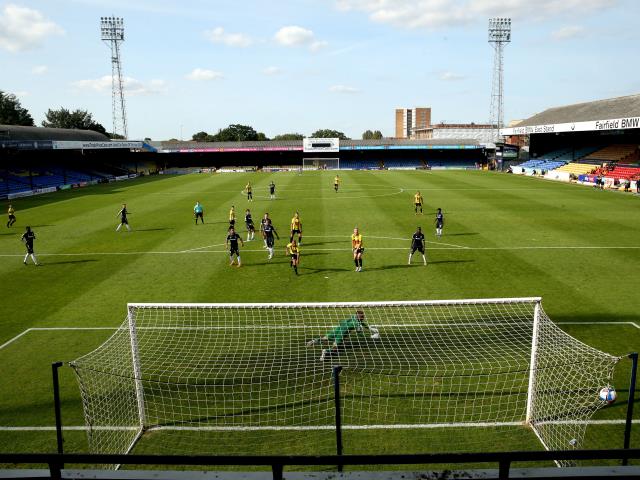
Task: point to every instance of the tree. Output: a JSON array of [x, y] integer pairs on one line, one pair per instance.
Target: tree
[[369, 135], [327, 133], [80, 119], [289, 136], [238, 133], [115, 136], [200, 137], [12, 113]]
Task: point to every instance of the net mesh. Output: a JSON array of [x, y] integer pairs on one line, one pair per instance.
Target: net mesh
[[242, 379]]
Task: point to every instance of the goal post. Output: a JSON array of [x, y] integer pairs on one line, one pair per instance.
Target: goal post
[[227, 378], [320, 163]]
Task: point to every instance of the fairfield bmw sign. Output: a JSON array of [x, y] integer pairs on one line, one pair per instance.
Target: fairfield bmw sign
[[591, 126]]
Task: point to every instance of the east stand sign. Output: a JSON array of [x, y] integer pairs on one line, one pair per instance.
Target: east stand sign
[[594, 125]]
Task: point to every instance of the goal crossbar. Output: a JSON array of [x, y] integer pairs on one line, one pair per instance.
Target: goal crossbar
[[477, 301]]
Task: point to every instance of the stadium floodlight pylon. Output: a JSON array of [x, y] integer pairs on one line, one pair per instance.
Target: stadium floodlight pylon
[[240, 378]]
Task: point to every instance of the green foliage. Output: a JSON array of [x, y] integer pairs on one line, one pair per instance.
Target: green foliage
[[115, 136], [12, 112], [80, 119], [201, 137], [289, 136], [233, 133], [327, 133], [369, 135]]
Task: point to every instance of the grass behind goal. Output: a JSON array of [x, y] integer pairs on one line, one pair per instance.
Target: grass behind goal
[[504, 236]]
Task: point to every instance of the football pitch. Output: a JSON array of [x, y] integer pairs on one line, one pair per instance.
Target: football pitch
[[504, 236]]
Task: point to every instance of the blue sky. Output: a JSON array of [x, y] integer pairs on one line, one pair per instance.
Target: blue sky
[[297, 66]]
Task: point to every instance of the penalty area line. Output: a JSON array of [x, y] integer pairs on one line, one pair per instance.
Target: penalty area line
[[285, 327], [305, 428]]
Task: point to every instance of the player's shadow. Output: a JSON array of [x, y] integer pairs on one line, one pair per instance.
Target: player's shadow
[[64, 262], [449, 261], [418, 263], [156, 229], [314, 271]]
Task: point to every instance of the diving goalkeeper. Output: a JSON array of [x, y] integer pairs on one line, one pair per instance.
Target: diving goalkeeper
[[335, 337]]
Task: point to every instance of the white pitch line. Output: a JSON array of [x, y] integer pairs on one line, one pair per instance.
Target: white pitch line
[[453, 247], [267, 428], [201, 248], [287, 327]]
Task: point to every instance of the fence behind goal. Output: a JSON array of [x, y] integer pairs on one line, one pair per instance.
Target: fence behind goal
[[443, 376]]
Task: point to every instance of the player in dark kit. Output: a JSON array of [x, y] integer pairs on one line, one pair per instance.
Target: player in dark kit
[[417, 243], [263, 222], [269, 231], [12, 216], [248, 221], [272, 190], [439, 222], [232, 242], [28, 237], [123, 218]]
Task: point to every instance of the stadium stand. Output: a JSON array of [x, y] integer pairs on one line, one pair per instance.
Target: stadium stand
[[615, 153], [575, 168], [620, 172], [360, 164], [403, 163]]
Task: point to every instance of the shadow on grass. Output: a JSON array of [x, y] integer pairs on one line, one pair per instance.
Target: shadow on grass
[[461, 234], [157, 229], [64, 262]]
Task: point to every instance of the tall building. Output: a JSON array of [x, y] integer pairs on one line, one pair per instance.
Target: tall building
[[411, 120]]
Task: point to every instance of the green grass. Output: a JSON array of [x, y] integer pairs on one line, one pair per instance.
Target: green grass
[[505, 236]]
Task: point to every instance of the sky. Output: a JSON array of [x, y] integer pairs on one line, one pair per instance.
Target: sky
[[301, 65]]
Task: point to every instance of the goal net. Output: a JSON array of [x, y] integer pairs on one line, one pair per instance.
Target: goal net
[[245, 379], [319, 163]]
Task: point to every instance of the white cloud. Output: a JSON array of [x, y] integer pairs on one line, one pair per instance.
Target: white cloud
[[451, 76], [39, 69], [272, 71], [343, 89], [132, 86], [23, 28], [295, 36], [204, 74], [570, 31], [218, 35], [21, 94], [443, 13]]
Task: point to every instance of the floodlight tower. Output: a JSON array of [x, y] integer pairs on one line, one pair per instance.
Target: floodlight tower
[[112, 33], [499, 36]]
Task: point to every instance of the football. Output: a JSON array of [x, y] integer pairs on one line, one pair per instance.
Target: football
[[608, 394]]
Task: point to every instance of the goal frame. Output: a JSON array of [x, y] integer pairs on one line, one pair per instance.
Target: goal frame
[[321, 160]]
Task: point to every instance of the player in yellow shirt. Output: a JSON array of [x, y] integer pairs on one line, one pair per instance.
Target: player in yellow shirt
[[249, 191], [336, 183], [232, 217], [296, 227], [417, 201], [12, 215], [293, 250], [358, 249]]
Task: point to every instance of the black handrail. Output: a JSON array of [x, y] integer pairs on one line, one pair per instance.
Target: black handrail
[[278, 462]]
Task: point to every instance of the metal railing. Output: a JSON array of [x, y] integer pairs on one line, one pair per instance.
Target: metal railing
[[56, 461]]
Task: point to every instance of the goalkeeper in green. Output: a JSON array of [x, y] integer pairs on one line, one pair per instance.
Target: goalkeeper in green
[[335, 337]]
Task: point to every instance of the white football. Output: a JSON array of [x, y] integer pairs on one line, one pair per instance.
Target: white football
[[375, 336], [608, 394]]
